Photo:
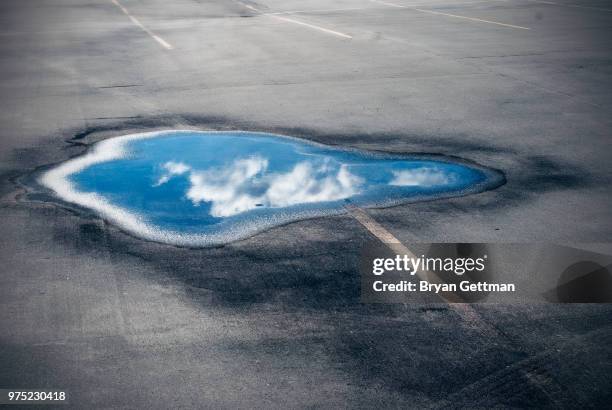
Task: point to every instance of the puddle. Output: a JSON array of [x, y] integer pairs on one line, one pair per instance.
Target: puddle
[[204, 188]]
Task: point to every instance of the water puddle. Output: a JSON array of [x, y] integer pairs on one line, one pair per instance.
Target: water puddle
[[204, 188]]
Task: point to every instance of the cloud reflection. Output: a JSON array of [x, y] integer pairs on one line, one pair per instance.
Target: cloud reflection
[[172, 169], [245, 184], [422, 177]]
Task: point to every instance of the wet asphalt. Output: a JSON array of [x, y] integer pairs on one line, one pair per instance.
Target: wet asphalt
[[275, 321]]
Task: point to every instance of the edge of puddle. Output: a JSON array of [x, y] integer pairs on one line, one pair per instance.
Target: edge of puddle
[[35, 192]]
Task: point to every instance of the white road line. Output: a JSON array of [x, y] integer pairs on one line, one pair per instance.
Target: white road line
[[155, 37], [456, 303], [376, 229], [447, 4], [570, 5], [473, 19], [318, 11], [323, 29], [301, 23], [399, 248], [373, 8], [449, 15], [465, 311]]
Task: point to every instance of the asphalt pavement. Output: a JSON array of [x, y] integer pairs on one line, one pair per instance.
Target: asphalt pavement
[[275, 321]]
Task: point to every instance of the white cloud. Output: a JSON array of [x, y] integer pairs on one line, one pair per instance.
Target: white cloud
[[244, 185], [420, 177], [227, 189], [172, 169], [305, 184]]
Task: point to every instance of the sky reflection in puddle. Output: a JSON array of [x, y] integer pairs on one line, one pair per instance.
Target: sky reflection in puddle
[[203, 188]]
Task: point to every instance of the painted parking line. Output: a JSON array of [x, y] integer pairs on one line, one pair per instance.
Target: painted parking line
[[155, 37], [467, 313], [449, 15], [469, 316], [578, 6], [451, 4], [318, 11], [373, 8], [301, 23], [399, 248], [323, 29]]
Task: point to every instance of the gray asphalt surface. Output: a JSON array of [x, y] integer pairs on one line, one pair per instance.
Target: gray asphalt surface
[[274, 321]]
